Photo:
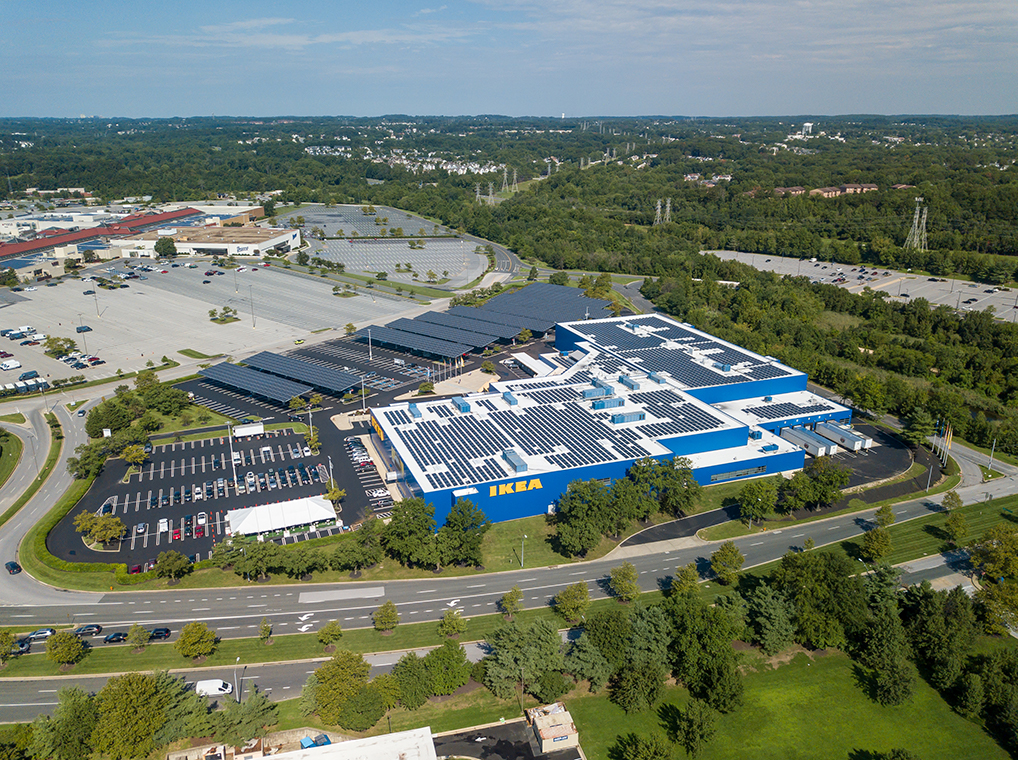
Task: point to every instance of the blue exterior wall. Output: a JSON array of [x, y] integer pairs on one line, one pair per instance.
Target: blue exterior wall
[[566, 339], [717, 394], [774, 426], [707, 441], [793, 460]]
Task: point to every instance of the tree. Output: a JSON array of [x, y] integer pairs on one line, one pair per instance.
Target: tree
[[166, 247], [137, 636], [382, 276], [876, 545], [586, 663], [816, 486], [519, 655], [637, 747], [610, 629], [559, 278], [625, 582], [726, 562], [463, 532], [130, 712], [696, 726], [770, 617], [338, 680], [885, 516], [335, 494], [68, 734], [525, 336], [956, 527], [583, 516], [264, 631], [573, 601], [64, 648], [242, 721], [409, 537], [918, 428], [826, 595], [448, 667], [172, 564], [425, 388], [686, 580], [431, 276], [638, 686], [532, 275], [414, 681], [349, 328], [330, 633], [488, 367], [362, 710], [196, 640], [757, 499], [452, 624], [134, 454], [386, 618], [302, 258], [951, 501], [7, 639], [510, 603]]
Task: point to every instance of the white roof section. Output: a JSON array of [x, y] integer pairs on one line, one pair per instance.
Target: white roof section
[[286, 514], [415, 744], [770, 410]]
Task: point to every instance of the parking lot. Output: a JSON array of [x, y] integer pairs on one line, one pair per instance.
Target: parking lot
[[439, 255], [180, 497], [164, 313], [901, 286]]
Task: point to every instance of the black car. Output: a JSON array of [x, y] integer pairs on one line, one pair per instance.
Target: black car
[[13, 567], [88, 630], [157, 634], [115, 638]]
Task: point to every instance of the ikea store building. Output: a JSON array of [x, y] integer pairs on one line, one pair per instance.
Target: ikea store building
[[614, 391]]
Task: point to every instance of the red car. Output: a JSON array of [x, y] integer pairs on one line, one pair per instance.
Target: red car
[[176, 534], [199, 532]]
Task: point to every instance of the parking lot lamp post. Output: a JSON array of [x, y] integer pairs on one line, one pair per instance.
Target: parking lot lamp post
[[363, 409], [233, 462], [84, 342], [523, 546], [371, 356], [331, 481]]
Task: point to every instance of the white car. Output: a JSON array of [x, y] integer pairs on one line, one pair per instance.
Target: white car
[[307, 451], [202, 518], [30, 289]]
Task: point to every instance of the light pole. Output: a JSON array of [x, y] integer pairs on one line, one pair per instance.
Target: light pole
[[362, 394], [250, 293], [84, 342], [370, 354], [236, 689], [233, 461], [523, 546]]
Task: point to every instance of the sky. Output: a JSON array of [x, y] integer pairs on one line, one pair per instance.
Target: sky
[[514, 57]]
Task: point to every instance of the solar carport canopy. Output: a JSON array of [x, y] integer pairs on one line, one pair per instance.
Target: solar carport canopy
[[442, 332], [412, 342], [483, 317], [256, 383], [321, 378], [497, 331]]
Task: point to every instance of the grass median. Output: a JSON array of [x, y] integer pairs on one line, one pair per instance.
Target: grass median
[[55, 446]]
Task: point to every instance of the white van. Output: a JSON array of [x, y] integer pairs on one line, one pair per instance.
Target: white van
[[10, 364], [27, 329], [39, 336], [213, 687]]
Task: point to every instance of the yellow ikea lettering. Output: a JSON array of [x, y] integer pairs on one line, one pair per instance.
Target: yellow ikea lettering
[[518, 487]]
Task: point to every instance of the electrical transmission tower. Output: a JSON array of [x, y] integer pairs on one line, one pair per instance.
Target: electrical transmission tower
[[668, 211], [505, 179], [916, 240], [516, 188], [477, 192], [491, 194], [657, 213]]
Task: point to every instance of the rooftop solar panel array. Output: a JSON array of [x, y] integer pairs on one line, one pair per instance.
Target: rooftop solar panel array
[[781, 410], [442, 332], [323, 378], [413, 342], [256, 383], [548, 304], [501, 332], [680, 367]]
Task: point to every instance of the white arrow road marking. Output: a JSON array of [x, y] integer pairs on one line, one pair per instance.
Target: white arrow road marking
[[302, 618], [305, 628], [453, 603]]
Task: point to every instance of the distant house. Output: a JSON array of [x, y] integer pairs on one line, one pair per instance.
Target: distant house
[[826, 192], [854, 189], [797, 190]]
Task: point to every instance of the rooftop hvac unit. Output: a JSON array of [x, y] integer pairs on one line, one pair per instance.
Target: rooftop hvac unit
[[608, 403], [629, 382], [509, 398], [618, 419], [461, 404], [595, 392], [515, 461], [415, 412], [756, 435], [656, 378]]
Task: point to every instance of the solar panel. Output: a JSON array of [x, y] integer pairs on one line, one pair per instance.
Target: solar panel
[[442, 332], [549, 304], [413, 342], [785, 409], [517, 321], [323, 378], [503, 332], [256, 383]]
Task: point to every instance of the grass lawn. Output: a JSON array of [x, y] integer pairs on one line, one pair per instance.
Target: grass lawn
[[17, 418], [805, 709], [52, 457], [192, 354], [10, 454], [990, 474], [175, 424], [996, 454]]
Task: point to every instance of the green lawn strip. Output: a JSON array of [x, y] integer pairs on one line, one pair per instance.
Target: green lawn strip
[[75, 404], [10, 455], [52, 457], [422, 290], [192, 354], [735, 528], [297, 427], [998, 454], [174, 424], [804, 709], [119, 378], [990, 474], [17, 418]]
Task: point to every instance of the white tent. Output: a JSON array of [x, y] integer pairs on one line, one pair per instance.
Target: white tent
[[285, 514]]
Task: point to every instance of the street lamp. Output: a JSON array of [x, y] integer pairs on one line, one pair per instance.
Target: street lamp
[[84, 342], [523, 546], [236, 689]]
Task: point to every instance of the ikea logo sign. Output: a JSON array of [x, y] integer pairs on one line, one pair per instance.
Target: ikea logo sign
[[518, 487]]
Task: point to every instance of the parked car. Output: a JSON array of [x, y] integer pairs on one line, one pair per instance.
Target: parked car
[[92, 629], [114, 638], [21, 646], [41, 635], [157, 634]]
